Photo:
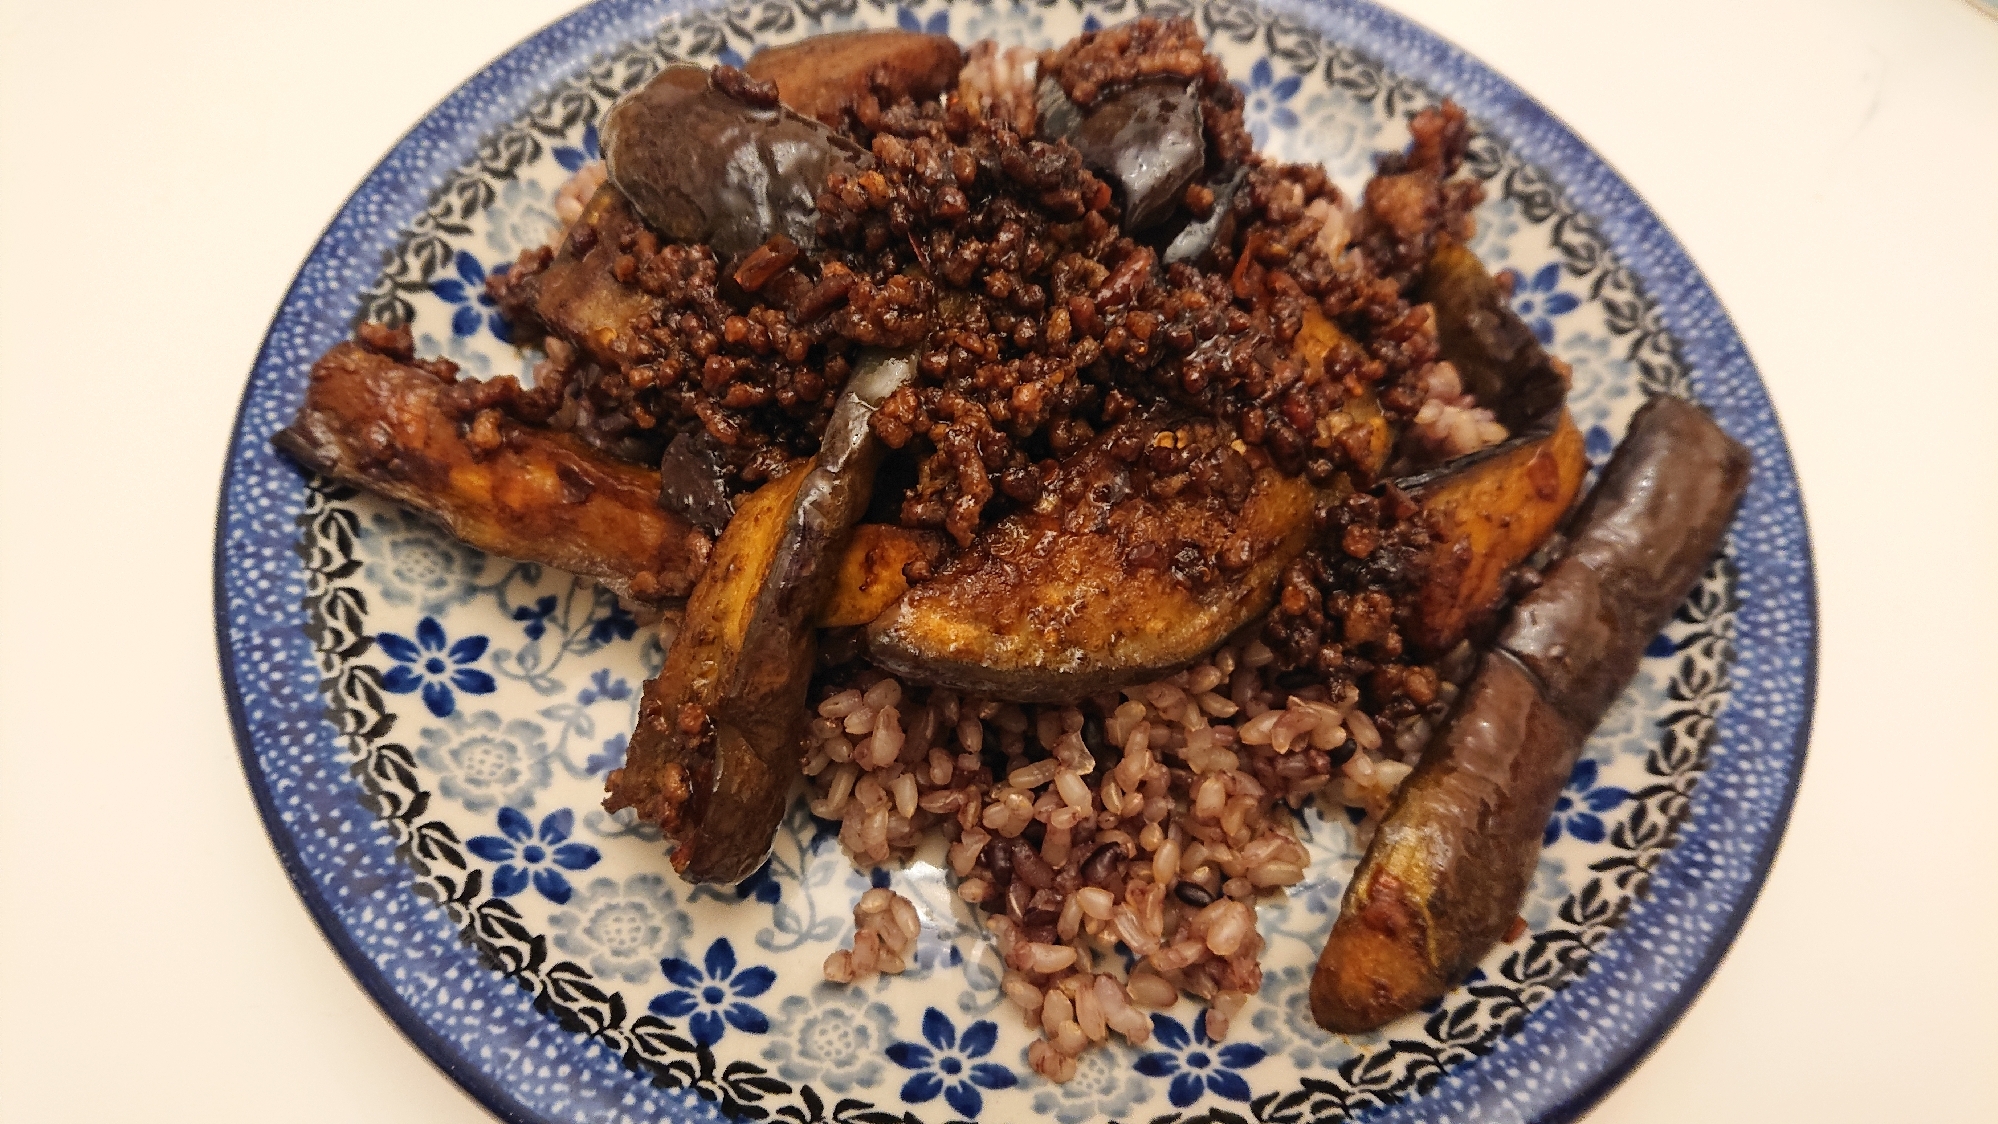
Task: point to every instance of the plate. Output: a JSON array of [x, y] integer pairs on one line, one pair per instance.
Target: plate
[[426, 728]]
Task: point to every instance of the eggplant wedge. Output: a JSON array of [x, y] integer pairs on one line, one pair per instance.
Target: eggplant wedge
[[873, 573], [715, 754], [509, 489], [1043, 609], [704, 165], [828, 76], [1495, 353], [1488, 513], [1147, 140], [1443, 879]]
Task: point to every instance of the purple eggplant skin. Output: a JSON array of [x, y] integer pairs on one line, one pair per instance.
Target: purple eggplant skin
[[1148, 140], [693, 481], [1198, 236], [1495, 352], [1443, 879], [702, 166], [746, 649], [1642, 538]]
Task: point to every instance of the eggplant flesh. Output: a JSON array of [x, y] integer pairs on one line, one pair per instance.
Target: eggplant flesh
[[1059, 604], [1488, 513], [714, 757], [524, 493], [1443, 878], [703, 166], [827, 77], [1147, 139]]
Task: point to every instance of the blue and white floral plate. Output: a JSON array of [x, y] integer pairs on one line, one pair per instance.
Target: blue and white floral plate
[[427, 728]]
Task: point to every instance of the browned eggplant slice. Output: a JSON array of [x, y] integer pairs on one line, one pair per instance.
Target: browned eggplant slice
[[1146, 139], [703, 165], [693, 481], [1443, 878], [579, 295], [1488, 513], [716, 752], [874, 572], [828, 76], [1495, 352], [1042, 610], [502, 487]]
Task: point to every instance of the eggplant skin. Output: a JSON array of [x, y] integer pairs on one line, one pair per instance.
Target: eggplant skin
[[519, 492], [1443, 878], [1043, 608], [703, 166], [828, 76], [1446, 871], [1642, 538], [1497, 357], [714, 757], [1147, 139]]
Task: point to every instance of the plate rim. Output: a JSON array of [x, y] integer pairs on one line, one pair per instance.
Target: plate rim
[[582, 35]]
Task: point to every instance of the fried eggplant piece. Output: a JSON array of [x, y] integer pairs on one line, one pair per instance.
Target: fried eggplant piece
[[1646, 532], [514, 490], [579, 296], [1147, 140], [873, 572], [1495, 353], [1046, 607], [693, 481], [1488, 513], [716, 752], [828, 76], [728, 169], [1444, 876]]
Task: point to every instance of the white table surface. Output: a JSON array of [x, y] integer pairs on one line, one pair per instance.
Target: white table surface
[[1831, 164]]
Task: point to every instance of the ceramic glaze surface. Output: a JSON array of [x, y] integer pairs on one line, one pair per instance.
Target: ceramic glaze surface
[[428, 727]]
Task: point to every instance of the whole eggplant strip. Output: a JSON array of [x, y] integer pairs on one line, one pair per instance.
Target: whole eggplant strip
[[1444, 876], [715, 754], [525, 493]]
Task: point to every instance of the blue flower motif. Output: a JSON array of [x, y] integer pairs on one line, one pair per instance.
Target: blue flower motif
[[831, 1035], [521, 854], [1195, 1063], [1103, 1088], [432, 665], [1091, 23], [621, 929], [536, 616], [937, 24], [410, 563], [712, 994], [1539, 300], [1268, 101], [572, 159], [1577, 814], [616, 625], [950, 1065], [729, 57], [474, 306]]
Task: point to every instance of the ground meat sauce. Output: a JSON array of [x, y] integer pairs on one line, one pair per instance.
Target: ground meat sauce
[[1038, 325]]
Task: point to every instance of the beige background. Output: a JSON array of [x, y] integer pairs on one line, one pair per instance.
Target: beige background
[[1832, 165]]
